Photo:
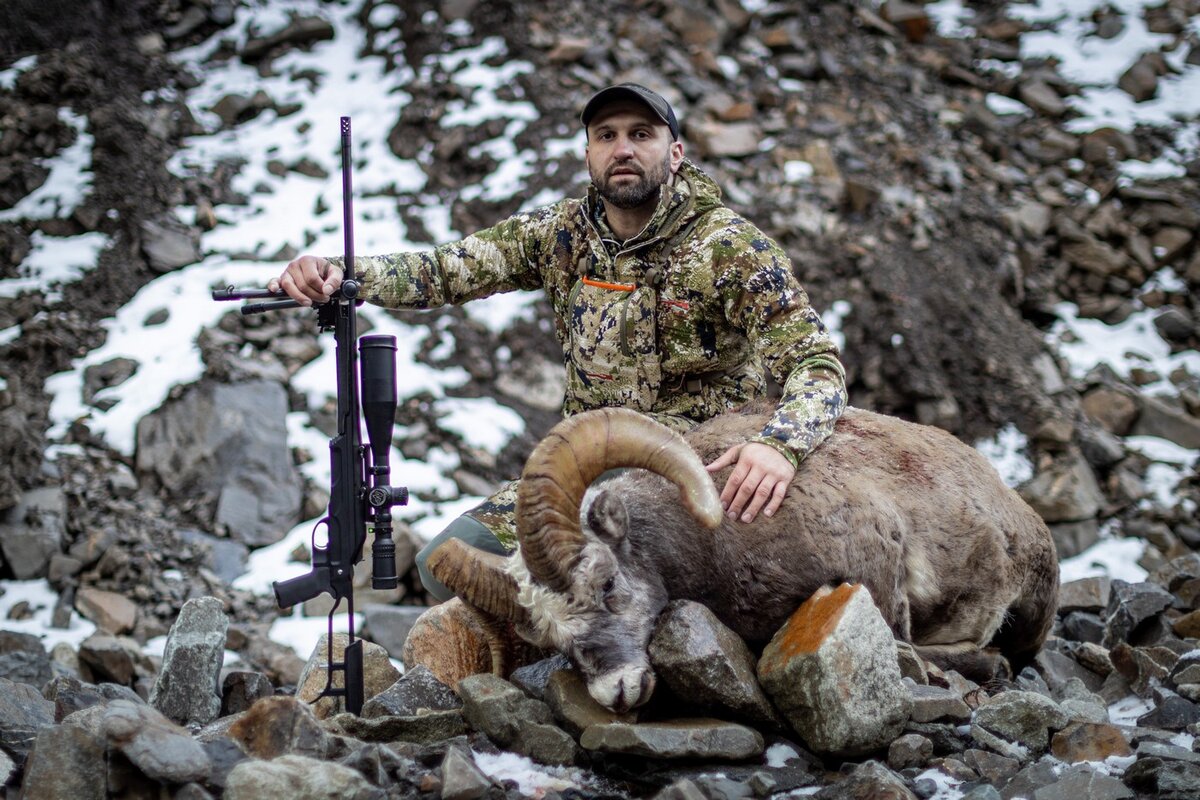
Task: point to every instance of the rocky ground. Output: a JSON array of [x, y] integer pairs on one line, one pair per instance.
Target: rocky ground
[[954, 233]]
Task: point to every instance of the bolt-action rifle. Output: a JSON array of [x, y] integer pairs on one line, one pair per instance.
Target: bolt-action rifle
[[359, 492]]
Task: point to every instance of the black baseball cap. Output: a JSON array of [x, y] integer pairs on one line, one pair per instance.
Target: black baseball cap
[[632, 91]]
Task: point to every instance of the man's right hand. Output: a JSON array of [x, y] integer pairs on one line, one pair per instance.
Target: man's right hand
[[308, 280]]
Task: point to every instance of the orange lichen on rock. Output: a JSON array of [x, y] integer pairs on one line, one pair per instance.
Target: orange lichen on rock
[[814, 620]]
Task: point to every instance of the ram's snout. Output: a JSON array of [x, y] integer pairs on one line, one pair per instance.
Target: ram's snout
[[623, 689]]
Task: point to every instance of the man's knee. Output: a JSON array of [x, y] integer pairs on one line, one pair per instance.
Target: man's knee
[[471, 531]]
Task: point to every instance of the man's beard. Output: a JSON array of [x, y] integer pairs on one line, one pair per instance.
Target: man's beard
[[637, 194]]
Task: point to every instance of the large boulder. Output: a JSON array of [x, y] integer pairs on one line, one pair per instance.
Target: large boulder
[[186, 689], [832, 671], [227, 443]]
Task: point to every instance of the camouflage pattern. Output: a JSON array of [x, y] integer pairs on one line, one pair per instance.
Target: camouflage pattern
[[499, 514], [703, 302]]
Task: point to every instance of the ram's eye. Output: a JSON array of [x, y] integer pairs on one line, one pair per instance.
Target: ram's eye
[[608, 585]]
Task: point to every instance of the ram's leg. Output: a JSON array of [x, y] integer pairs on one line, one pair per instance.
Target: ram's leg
[[982, 665]]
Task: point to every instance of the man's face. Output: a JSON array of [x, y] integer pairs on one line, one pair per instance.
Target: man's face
[[630, 154]]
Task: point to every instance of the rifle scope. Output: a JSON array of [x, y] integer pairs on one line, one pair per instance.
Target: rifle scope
[[377, 375]]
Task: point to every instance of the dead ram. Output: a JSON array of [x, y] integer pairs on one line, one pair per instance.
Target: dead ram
[[954, 559]]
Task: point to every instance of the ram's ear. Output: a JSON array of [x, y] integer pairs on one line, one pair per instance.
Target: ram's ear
[[607, 517], [478, 577]]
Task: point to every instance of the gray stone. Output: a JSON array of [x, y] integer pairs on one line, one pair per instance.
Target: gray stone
[[228, 443], [1085, 594], [159, 748], [868, 780], [32, 531], [546, 744], [992, 767], [1072, 538], [241, 689], [169, 244], [1082, 782], [388, 625], [23, 659], [532, 678], [113, 372], [418, 690], [832, 672], [909, 750], [65, 762], [299, 32], [1130, 605], [22, 711], [1058, 668], [1025, 718], [1171, 712], [427, 727], [187, 689], [567, 695], [461, 778], [296, 777], [1165, 421], [932, 703], [707, 665], [1067, 491], [226, 557], [497, 708], [8, 767], [379, 673], [1176, 572], [1140, 81], [688, 738]]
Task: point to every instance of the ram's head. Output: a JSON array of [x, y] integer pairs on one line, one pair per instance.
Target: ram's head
[[585, 590]]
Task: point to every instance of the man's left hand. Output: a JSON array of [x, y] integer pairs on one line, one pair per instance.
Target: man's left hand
[[759, 480]]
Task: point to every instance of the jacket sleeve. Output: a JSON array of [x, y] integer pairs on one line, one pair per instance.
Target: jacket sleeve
[[502, 258], [763, 297]]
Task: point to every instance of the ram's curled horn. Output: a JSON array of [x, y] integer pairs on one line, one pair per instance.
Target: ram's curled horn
[[479, 578], [576, 452]]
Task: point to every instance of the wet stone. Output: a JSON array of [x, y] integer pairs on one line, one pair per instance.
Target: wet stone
[[692, 738]]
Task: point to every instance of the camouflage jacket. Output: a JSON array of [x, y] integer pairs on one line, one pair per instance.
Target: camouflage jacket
[[677, 322]]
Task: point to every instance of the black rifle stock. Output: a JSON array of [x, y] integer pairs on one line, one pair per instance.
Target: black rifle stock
[[359, 492]]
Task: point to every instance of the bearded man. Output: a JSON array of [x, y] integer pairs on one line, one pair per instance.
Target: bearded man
[[665, 302]]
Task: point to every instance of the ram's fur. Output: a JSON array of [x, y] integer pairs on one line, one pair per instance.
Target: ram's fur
[[954, 559]]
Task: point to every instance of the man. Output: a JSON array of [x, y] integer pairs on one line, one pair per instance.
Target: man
[[665, 302]]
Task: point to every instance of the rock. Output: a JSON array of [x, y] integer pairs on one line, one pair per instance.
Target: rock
[[112, 658], [186, 689], [991, 767], [1080, 781], [1092, 255], [1020, 717], [169, 244], [1140, 81], [1157, 418], [831, 670], [23, 659], [32, 532], [567, 696], [1085, 594], [1067, 491], [227, 442], [1084, 627], [461, 778], [415, 692], [160, 749], [65, 762], [1114, 409], [725, 139], [676, 739], [113, 372], [909, 750], [1171, 712], [426, 728], [512, 720], [1175, 325], [1168, 780], [241, 689], [22, 711], [296, 777], [1085, 741], [931, 703], [1072, 538], [112, 612], [1170, 242], [450, 642], [299, 32], [277, 725], [70, 695], [868, 780], [707, 664], [1041, 98], [533, 678], [226, 557], [388, 625], [909, 18], [378, 673], [1129, 606]]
